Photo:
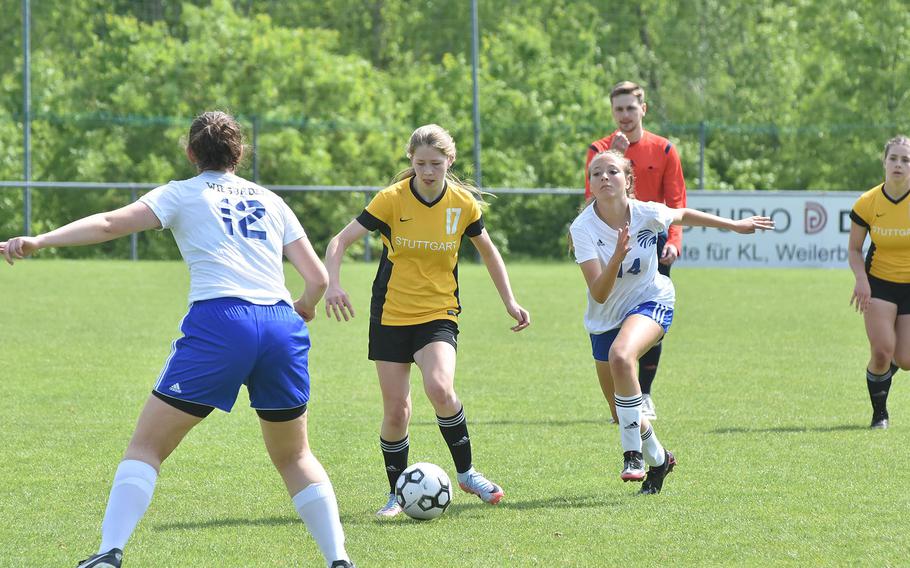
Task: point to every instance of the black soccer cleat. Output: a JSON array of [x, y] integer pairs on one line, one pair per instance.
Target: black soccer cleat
[[342, 564], [110, 559], [633, 466], [879, 421], [656, 474]]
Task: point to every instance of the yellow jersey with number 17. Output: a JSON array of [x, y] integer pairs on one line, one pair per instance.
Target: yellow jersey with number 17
[[888, 223], [417, 278]]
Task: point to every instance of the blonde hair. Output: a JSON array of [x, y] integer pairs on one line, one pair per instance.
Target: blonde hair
[[899, 140], [438, 138]]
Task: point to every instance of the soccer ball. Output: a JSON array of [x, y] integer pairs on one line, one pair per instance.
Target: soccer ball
[[423, 491]]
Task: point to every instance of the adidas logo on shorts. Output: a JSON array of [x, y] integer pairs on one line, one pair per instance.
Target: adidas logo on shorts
[[175, 388]]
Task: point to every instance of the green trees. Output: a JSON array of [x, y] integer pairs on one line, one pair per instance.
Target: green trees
[[790, 95]]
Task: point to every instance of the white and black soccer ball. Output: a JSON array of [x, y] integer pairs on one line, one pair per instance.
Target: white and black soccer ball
[[423, 491]]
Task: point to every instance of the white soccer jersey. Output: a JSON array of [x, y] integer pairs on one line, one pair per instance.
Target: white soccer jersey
[[638, 281], [231, 233]]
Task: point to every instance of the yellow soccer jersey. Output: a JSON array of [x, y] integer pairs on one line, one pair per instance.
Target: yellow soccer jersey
[[417, 279], [888, 223]]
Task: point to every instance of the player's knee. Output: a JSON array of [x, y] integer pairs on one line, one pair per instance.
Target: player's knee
[[882, 355], [440, 395], [621, 358], [397, 415], [902, 360]]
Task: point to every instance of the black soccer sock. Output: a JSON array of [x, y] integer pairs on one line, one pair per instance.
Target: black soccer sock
[[455, 432], [395, 455], [647, 367], [879, 385]]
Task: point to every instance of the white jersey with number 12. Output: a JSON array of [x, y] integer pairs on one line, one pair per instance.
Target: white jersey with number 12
[[231, 233]]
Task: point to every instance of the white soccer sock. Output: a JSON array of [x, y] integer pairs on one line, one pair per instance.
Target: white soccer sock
[[651, 448], [318, 508], [628, 408], [131, 493]]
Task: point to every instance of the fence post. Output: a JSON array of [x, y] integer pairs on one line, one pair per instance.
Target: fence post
[[27, 117], [367, 253], [134, 238], [256, 148], [475, 63], [702, 128]]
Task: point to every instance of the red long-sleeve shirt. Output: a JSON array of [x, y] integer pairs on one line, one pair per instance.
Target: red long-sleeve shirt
[[658, 174]]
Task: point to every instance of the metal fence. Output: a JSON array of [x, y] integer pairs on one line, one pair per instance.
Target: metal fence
[[811, 227]]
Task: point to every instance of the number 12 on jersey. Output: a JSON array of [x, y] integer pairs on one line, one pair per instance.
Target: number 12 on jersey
[[634, 269], [252, 211]]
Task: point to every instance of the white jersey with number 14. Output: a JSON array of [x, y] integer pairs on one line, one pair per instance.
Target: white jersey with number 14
[[638, 280]]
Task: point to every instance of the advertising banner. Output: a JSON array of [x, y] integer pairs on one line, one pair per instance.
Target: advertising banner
[[811, 230]]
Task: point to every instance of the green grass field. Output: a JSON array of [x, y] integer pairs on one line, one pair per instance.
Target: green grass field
[[761, 395]]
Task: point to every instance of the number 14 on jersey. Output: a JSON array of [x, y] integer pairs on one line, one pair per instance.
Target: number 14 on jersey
[[634, 269]]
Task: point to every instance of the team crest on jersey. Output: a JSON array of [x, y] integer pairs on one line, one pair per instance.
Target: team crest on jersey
[[646, 238]]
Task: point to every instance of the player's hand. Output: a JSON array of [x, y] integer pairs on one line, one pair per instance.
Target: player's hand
[[669, 254], [18, 247], [620, 143], [308, 313], [752, 224], [338, 303], [623, 244], [862, 295], [520, 315]]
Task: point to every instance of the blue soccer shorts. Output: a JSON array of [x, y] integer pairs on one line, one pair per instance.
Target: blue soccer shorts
[[601, 342], [228, 342]]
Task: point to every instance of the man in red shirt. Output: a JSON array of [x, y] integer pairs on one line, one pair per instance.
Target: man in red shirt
[[658, 177]]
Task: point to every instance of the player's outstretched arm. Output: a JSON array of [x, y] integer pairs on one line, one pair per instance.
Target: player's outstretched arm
[[94, 229], [497, 269], [337, 301], [695, 218], [315, 276]]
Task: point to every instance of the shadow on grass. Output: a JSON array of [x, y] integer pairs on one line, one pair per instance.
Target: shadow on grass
[[238, 522], [787, 429], [541, 423], [470, 508], [579, 502]]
